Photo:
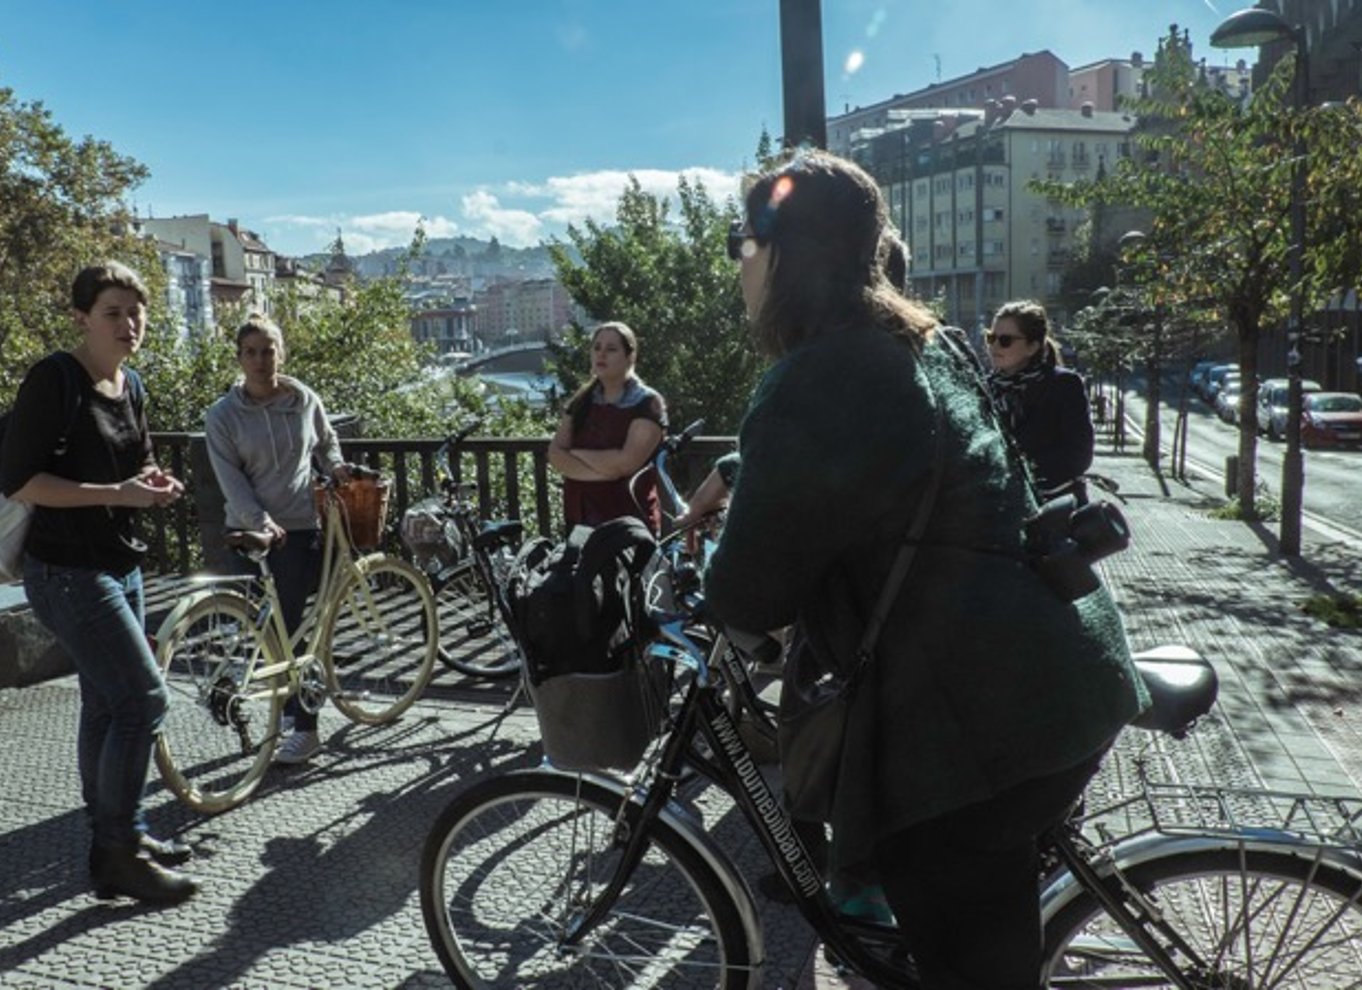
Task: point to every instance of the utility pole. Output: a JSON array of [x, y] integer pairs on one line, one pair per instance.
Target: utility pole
[[801, 64]]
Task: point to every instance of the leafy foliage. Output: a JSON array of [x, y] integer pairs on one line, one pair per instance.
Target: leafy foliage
[[673, 283], [1215, 177], [61, 208]]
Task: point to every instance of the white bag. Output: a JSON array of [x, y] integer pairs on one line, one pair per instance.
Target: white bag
[[15, 518]]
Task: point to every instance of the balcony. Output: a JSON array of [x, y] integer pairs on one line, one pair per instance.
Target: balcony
[[1056, 225], [1058, 257]]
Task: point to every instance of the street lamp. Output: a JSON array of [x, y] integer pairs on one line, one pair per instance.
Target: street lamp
[[1247, 29]]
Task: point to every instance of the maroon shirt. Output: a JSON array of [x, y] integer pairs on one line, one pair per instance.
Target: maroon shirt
[[606, 426]]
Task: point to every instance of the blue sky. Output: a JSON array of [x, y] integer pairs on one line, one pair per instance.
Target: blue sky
[[505, 117]]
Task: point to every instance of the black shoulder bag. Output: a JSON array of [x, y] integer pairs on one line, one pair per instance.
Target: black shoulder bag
[[814, 703]]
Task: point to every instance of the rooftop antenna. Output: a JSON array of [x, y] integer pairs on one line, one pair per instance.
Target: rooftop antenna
[[937, 59]]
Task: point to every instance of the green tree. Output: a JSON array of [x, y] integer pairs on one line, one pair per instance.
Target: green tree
[[61, 207], [1215, 178], [673, 283]]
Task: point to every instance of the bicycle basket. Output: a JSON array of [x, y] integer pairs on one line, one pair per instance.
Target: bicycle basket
[[600, 721], [431, 535], [363, 508]]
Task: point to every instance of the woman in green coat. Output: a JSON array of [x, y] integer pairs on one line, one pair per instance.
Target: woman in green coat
[[990, 700]]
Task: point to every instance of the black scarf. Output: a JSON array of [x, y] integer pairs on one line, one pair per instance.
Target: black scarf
[[1009, 391]]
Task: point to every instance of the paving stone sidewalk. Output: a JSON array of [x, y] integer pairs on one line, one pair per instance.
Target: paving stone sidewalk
[[313, 882]]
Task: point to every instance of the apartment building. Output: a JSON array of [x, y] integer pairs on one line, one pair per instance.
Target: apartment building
[[516, 311], [1333, 38], [188, 288], [1041, 77], [242, 264], [957, 186], [449, 328]]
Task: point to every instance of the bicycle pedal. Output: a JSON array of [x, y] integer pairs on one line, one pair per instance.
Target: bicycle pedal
[[479, 627]]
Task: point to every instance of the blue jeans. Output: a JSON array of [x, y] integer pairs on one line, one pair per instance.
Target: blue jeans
[[98, 619]]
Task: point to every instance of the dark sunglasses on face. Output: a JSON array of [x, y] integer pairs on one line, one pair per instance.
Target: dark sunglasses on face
[[1003, 340], [738, 235]]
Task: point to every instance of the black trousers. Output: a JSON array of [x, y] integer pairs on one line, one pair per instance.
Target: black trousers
[[965, 887]]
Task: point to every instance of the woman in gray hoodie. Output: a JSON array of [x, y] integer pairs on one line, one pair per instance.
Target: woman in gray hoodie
[[263, 437]]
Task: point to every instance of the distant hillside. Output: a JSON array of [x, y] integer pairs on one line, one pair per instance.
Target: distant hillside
[[454, 255]]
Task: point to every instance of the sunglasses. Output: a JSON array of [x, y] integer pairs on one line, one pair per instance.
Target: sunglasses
[[1003, 340], [738, 236]]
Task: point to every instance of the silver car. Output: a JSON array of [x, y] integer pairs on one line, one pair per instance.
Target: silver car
[[1272, 405]]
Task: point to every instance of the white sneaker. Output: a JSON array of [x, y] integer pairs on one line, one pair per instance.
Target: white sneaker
[[297, 748]]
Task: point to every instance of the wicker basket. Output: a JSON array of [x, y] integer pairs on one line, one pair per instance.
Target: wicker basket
[[363, 507]]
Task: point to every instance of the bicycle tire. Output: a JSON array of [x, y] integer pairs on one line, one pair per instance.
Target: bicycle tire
[[378, 639], [1300, 924], [473, 638], [218, 735], [498, 886]]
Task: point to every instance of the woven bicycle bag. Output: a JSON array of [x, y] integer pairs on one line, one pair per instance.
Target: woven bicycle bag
[[581, 624], [363, 509]]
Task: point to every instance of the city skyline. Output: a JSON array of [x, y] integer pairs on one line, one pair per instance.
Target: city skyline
[[506, 122]]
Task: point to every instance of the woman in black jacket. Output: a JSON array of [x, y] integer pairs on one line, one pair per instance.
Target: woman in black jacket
[[1044, 404]]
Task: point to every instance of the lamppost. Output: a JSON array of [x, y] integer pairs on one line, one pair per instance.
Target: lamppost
[[1247, 29]]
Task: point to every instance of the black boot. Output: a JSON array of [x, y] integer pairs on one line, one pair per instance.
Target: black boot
[[126, 871], [167, 852]]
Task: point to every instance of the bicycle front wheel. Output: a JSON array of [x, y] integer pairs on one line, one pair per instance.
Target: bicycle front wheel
[[516, 860], [473, 638], [222, 723], [378, 639], [1253, 918]]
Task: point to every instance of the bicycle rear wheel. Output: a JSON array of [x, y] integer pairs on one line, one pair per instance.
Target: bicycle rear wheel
[[378, 639], [222, 724], [514, 861], [1255, 918], [473, 638]]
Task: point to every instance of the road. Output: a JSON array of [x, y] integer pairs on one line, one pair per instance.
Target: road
[[1333, 478]]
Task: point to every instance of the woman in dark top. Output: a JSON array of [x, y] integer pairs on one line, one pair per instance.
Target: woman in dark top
[[78, 449], [1044, 404], [612, 426], [989, 699]]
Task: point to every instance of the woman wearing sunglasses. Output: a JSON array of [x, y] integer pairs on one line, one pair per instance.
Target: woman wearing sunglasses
[[988, 700], [1044, 403]]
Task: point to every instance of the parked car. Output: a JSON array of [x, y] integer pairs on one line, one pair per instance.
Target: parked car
[[1197, 376], [1214, 378], [1331, 419], [1272, 405], [1227, 399]]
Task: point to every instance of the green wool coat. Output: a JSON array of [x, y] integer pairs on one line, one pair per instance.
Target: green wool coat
[[983, 678]]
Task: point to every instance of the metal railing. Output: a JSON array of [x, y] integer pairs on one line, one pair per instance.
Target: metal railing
[[512, 474]]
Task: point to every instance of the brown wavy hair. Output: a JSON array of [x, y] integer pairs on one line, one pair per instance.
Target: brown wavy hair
[[825, 222]]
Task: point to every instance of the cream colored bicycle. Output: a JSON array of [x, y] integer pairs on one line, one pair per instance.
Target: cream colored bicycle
[[367, 643]]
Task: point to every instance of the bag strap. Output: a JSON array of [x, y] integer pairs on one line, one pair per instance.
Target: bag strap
[[903, 561]]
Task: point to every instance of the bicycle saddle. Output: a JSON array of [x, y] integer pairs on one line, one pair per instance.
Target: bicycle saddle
[[506, 531], [249, 541], [1182, 686]]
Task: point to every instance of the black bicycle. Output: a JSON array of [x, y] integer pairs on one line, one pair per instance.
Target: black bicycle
[[551, 879], [467, 561]]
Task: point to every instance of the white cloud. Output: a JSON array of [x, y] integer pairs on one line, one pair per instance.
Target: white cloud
[[362, 234], [513, 227], [519, 213], [595, 195]]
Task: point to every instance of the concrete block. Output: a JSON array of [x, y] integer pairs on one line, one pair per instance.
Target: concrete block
[[28, 652]]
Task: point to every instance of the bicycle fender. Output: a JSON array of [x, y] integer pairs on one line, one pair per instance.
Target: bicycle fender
[[1062, 888], [176, 615]]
